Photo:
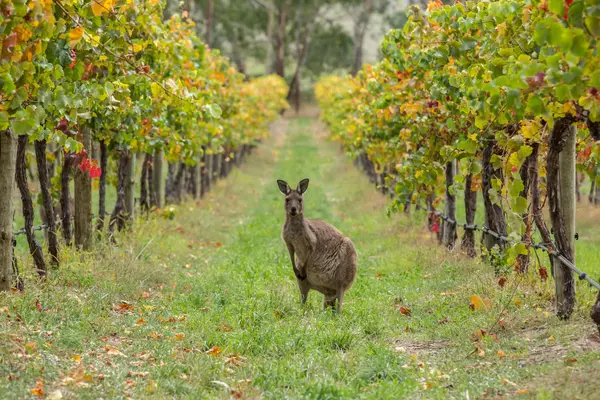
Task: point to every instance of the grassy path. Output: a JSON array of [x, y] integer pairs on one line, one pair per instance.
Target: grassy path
[[206, 306]]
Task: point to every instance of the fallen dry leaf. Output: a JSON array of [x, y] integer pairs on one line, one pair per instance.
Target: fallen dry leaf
[[113, 351], [234, 360], [502, 281], [38, 305], [31, 347], [76, 358], [179, 336], [123, 307], [477, 303], [443, 321], [501, 354], [138, 374], [141, 321], [38, 390], [518, 303], [214, 351], [145, 295], [543, 273], [522, 391], [404, 311]]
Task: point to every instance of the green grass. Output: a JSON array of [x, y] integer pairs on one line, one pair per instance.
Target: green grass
[[218, 277]]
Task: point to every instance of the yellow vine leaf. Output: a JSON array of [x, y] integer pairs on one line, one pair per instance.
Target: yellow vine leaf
[[100, 7], [75, 36]]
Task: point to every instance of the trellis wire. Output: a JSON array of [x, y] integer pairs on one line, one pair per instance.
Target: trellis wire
[[582, 275], [22, 231]]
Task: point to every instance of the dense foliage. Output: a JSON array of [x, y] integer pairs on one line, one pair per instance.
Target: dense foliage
[[457, 77], [116, 68]]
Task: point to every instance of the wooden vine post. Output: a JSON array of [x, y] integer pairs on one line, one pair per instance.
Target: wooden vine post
[[449, 235], [8, 157], [558, 166], [157, 172], [130, 188]]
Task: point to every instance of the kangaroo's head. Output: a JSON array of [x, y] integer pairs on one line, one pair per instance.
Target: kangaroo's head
[[293, 198]]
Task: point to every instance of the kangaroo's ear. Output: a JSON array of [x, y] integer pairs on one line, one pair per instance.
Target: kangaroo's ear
[[302, 186], [284, 187]]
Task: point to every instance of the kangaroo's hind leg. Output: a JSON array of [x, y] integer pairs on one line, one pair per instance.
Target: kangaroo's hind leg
[[340, 298], [328, 301], [304, 288]]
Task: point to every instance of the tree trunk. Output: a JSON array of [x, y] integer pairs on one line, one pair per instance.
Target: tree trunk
[[592, 196], [118, 216], [217, 161], [562, 139], [208, 18], [83, 201], [360, 29], [536, 203], [8, 158], [178, 183], [144, 197], [494, 216], [224, 163], [50, 217], [170, 184], [204, 173], [65, 197], [28, 213], [468, 240], [525, 174], [130, 188], [197, 179], [280, 40], [157, 182], [150, 181], [449, 239], [102, 187]]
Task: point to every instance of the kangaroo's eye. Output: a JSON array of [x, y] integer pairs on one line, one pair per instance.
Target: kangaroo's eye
[[300, 201], [287, 200]]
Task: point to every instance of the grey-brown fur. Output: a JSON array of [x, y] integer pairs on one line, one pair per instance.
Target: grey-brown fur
[[323, 259]]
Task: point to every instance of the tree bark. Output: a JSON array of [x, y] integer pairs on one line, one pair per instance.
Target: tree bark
[[130, 188], [360, 28], [217, 161], [525, 174], [49, 216], [562, 139], [224, 163], [178, 183], [28, 212], [144, 197], [204, 173], [65, 197], [102, 187], [449, 239], [118, 216], [83, 201], [494, 216], [150, 182], [8, 158], [170, 184], [468, 240], [208, 17], [282, 12], [157, 182]]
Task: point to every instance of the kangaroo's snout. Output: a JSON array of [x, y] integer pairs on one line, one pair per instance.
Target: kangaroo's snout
[[293, 211]]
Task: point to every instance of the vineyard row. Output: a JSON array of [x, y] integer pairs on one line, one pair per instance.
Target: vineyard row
[[500, 98]]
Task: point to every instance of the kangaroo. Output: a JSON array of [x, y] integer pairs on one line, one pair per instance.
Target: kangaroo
[[325, 260]]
